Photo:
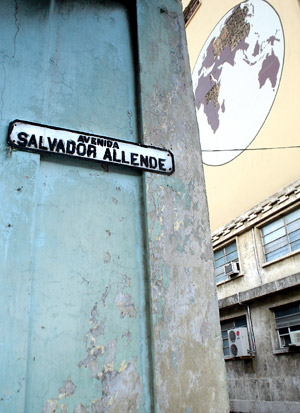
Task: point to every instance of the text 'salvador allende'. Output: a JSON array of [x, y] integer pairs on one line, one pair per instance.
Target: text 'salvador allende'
[[86, 146]]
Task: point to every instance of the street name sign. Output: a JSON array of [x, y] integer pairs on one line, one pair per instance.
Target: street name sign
[[39, 138]]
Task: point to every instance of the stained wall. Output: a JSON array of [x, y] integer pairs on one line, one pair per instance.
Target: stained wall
[[108, 296]]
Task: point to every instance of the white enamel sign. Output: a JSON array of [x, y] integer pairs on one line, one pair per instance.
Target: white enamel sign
[[48, 139]]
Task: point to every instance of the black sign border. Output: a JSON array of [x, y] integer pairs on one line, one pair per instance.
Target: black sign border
[[39, 151]]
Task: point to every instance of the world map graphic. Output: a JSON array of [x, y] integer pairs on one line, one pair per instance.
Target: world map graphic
[[236, 78]]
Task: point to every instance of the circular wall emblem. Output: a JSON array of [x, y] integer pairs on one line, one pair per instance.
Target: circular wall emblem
[[236, 78]]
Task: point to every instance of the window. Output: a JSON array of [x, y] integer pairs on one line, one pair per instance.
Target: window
[[223, 256], [190, 10], [282, 236], [287, 319], [228, 325]]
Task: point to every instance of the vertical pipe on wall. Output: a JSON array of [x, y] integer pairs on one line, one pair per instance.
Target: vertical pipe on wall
[[256, 257], [251, 331]]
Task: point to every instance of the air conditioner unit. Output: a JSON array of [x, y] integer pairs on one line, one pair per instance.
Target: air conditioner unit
[[238, 342], [232, 268], [295, 338]]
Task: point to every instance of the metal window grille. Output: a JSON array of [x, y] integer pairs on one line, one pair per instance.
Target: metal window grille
[[223, 256], [190, 10], [281, 236], [228, 325], [287, 319]]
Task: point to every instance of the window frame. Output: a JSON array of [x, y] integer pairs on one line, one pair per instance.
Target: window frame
[[290, 328], [223, 247], [270, 220]]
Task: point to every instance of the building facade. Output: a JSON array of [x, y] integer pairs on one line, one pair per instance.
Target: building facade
[[243, 59], [262, 295], [103, 268]]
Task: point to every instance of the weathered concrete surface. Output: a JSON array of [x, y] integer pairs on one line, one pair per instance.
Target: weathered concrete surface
[[264, 290], [270, 382], [189, 369]]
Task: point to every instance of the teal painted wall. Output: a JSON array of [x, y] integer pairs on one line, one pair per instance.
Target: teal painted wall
[[72, 245], [107, 288]]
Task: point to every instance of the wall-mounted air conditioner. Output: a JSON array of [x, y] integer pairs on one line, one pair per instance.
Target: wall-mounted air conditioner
[[295, 338], [239, 342], [232, 269]]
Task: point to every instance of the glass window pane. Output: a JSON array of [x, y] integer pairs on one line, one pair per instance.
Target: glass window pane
[[227, 325], [221, 278], [226, 351], [241, 322], [288, 321], [294, 236], [275, 245], [219, 262], [283, 331], [295, 245], [219, 271], [221, 257], [224, 334], [274, 235], [286, 340], [287, 310], [272, 226], [231, 247], [218, 254], [293, 226], [278, 253], [293, 216], [295, 328], [226, 343], [231, 257]]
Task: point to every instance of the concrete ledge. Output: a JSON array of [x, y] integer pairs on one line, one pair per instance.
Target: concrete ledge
[[262, 291], [244, 406]]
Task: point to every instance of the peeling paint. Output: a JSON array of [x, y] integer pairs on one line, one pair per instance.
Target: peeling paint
[[91, 361], [104, 296], [111, 349], [80, 408], [156, 231], [121, 391], [93, 351], [50, 406], [107, 257], [126, 305], [122, 388], [110, 401], [127, 335], [67, 390], [123, 366], [176, 226]]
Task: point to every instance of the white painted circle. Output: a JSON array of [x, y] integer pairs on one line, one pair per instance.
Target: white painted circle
[[236, 78]]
